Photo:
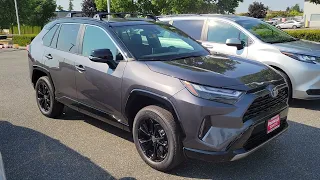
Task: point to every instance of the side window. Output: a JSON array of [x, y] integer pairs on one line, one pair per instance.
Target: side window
[[55, 39], [68, 37], [96, 38], [219, 32], [48, 37], [192, 27]]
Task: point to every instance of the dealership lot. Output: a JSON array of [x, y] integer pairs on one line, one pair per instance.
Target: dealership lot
[[79, 147]]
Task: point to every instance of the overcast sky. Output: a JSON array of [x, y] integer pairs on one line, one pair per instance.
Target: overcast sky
[[273, 4]]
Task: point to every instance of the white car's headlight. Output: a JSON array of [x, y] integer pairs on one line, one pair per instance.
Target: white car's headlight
[[215, 94], [303, 58]]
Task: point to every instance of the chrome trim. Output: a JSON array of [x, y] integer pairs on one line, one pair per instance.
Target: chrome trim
[[243, 155]]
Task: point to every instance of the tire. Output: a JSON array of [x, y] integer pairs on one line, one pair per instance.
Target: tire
[[278, 27], [294, 27], [161, 118], [46, 100], [288, 81]]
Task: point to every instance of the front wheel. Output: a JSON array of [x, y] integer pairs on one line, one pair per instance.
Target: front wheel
[[158, 138], [294, 27], [45, 98]]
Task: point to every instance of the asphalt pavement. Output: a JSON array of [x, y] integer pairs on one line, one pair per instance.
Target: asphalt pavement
[[79, 147]]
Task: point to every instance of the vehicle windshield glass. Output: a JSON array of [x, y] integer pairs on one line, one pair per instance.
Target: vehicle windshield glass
[[158, 42], [266, 32]]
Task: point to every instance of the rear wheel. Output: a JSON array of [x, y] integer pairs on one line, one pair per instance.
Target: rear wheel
[[294, 27], [46, 100], [157, 138]]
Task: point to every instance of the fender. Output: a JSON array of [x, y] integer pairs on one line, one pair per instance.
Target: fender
[[158, 97]]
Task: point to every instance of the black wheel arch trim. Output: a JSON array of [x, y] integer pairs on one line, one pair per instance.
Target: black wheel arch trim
[[44, 70], [162, 98]]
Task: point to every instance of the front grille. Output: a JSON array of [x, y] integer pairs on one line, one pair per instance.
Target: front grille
[[266, 104], [259, 135]]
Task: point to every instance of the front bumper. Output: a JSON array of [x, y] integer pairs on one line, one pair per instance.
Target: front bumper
[[227, 132], [233, 155]]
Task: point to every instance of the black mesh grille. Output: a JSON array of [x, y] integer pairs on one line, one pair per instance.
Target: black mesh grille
[[259, 135], [266, 104]]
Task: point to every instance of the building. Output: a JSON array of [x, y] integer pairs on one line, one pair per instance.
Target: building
[[311, 14]]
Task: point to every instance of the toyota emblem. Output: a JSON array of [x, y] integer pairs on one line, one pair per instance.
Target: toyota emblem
[[273, 91]]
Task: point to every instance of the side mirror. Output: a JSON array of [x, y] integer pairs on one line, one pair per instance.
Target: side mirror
[[235, 42], [103, 56]]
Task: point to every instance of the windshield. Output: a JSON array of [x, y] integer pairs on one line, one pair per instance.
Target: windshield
[[266, 32], [158, 42]]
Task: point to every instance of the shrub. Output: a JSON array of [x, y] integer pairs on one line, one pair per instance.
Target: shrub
[[25, 29], [307, 34], [23, 40]]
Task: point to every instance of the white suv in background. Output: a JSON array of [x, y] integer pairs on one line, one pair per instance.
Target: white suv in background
[[297, 60]]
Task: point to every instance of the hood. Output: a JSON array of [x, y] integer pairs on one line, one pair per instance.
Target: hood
[[300, 47], [215, 71]]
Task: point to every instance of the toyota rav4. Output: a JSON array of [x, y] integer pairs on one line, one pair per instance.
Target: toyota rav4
[[155, 81]]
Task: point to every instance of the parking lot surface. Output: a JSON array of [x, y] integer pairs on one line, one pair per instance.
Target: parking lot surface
[[78, 147]]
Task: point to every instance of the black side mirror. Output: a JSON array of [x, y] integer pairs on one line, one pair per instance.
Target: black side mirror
[[103, 56], [235, 42]]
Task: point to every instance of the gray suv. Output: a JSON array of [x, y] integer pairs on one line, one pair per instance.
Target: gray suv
[[155, 81]]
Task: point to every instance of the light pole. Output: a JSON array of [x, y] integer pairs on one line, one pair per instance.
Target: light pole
[[17, 14], [108, 4]]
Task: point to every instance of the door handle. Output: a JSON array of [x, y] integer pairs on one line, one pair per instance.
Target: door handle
[[80, 68], [48, 56]]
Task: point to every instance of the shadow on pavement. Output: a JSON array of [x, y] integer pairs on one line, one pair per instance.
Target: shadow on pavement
[[70, 114], [312, 105], [28, 154], [294, 155]]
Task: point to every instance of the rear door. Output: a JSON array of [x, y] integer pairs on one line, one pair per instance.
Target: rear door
[[60, 60], [217, 33]]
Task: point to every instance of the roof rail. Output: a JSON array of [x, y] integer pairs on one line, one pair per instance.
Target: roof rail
[[175, 15], [103, 15], [76, 14]]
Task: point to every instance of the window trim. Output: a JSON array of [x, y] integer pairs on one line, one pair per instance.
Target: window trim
[[225, 21], [82, 33], [52, 36], [78, 36]]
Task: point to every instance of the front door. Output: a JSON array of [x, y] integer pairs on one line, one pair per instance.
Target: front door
[[217, 34], [98, 85]]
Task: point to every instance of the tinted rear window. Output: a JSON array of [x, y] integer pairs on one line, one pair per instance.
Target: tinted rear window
[[192, 27], [68, 37]]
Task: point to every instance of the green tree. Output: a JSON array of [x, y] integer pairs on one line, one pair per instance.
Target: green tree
[[89, 8], [101, 5], [8, 13], [295, 8], [60, 8], [42, 12], [70, 5], [257, 10]]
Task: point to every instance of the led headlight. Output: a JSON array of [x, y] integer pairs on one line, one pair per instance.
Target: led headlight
[[304, 58], [215, 94]]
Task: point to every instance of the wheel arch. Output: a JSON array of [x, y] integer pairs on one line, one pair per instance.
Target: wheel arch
[[38, 72], [139, 99]]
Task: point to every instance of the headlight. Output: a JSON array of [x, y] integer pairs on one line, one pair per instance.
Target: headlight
[[214, 94], [303, 58]]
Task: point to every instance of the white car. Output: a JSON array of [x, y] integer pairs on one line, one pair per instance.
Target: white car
[[297, 60], [2, 175], [292, 24]]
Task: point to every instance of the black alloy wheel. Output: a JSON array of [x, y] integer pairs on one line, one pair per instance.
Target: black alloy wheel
[[153, 140], [44, 97], [46, 101]]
